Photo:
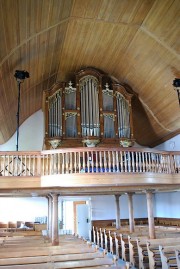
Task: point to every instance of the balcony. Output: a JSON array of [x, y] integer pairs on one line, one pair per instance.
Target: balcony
[[102, 168]]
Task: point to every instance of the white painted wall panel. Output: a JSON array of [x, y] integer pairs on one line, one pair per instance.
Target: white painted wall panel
[[104, 207], [167, 205], [172, 144], [31, 135], [22, 209]]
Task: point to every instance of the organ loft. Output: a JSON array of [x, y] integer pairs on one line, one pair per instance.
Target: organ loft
[[90, 110]]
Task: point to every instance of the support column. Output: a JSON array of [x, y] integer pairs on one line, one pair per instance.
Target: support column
[[55, 235], [61, 214], [118, 222], [149, 197], [49, 224], [131, 212]]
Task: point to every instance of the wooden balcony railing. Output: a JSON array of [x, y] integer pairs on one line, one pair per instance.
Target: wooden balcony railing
[[88, 160]]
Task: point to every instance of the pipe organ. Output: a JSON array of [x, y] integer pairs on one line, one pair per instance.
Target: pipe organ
[[92, 110]]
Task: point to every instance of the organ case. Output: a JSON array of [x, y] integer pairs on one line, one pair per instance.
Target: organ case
[[92, 110]]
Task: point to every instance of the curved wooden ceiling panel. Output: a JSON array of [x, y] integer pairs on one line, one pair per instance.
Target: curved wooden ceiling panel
[[134, 41]]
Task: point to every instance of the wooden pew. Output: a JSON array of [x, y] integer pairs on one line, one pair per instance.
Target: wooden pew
[[13, 242], [72, 252], [109, 237], [124, 247], [142, 253], [177, 252], [133, 249], [82, 265], [64, 264], [168, 256], [36, 239], [138, 256], [118, 240], [98, 237], [102, 239], [168, 221], [20, 233], [115, 245], [154, 253], [44, 251], [114, 239], [106, 238], [143, 250], [51, 258], [120, 246], [94, 235]]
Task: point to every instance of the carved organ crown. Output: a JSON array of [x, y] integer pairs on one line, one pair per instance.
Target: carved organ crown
[[92, 111]]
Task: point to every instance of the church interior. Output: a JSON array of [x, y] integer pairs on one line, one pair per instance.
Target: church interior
[[89, 134]]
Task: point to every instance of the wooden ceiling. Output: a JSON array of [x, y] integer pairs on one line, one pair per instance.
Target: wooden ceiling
[[134, 41]]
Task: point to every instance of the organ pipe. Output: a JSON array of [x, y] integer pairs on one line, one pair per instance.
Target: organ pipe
[[55, 115], [89, 106], [123, 116]]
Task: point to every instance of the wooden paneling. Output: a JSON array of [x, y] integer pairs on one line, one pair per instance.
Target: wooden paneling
[[134, 41], [24, 182], [165, 29], [81, 180]]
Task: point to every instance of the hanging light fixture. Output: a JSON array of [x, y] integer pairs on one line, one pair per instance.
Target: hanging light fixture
[[20, 77], [176, 84]]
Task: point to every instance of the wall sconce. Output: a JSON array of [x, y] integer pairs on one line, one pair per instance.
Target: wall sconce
[[176, 84]]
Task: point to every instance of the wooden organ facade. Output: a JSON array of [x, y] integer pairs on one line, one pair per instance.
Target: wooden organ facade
[[92, 110]]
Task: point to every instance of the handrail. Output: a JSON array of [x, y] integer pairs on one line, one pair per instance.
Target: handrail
[[88, 160]]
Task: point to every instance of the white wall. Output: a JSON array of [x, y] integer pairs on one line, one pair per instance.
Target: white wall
[[31, 135], [172, 144], [22, 209], [167, 205], [68, 215], [104, 207]]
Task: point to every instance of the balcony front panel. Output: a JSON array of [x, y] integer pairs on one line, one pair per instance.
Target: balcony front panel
[[110, 179], [89, 167]]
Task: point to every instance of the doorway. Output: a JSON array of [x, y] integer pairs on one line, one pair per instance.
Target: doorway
[[82, 220], [75, 217], [82, 223]]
